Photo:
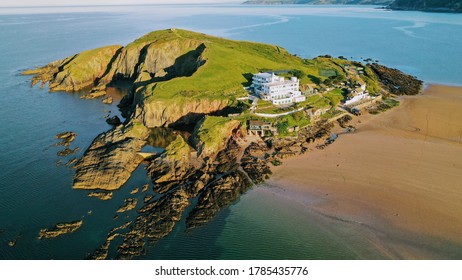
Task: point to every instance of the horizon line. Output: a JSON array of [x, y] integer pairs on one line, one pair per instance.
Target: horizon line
[[109, 5]]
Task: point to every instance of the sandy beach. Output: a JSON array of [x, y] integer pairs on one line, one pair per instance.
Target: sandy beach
[[398, 178]]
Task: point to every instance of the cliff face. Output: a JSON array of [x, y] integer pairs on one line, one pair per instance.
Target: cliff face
[[182, 112], [162, 61], [76, 72], [428, 5]]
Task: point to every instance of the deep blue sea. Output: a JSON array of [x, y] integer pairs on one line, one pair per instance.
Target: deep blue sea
[[35, 193]]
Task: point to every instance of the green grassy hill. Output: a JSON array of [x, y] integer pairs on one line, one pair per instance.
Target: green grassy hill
[[177, 76]]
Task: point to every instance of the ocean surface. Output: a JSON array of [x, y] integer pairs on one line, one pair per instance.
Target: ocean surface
[[36, 193]]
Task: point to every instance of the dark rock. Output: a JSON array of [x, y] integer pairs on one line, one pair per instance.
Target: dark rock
[[343, 121], [129, 204], [155, 221], [113, 121], [71, 161], [66, 152], [218, 195], [397, 82], [147, 198]]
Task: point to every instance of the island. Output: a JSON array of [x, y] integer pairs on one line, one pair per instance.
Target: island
[[235, 109]]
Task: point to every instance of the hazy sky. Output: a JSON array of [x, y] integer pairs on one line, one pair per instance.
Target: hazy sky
[[16, 3]]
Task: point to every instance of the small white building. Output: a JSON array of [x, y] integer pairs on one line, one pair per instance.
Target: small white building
[[358, 95], [278, 90]]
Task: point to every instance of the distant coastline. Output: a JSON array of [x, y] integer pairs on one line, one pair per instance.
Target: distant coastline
[[445, 6], [318, 2]]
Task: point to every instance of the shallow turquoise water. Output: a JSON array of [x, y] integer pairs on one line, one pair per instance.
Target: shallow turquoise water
[[35, 193]]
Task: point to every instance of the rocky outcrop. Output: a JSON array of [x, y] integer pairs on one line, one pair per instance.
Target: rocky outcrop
[[66, 152], [254, 162], [66, 138], [181, 176], [111, 158], [173, 167], [66, 135], [396, 82], [155, 221], [115, 120], [77, 72], [101, 195], [129, 204], [60, 229], [102, 252], [343, 121], [71, 162], [218, 195]]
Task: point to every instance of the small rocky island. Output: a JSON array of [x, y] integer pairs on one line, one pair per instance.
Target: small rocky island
[[230, 130]]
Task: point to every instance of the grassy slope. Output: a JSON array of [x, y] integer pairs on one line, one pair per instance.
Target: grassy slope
[[178, 150], [213, 133], [222, 76], [90, 59]]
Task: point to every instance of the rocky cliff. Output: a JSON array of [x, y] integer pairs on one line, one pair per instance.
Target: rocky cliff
[[75, 73], [112, 157], [183, 111]]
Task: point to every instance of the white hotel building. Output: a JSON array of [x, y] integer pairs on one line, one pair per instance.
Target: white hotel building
[[279, 91]]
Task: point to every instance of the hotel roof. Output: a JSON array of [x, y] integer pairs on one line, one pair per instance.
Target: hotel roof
[[265, 75]]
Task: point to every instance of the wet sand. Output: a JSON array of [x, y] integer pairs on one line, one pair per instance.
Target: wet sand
[[398, 178]]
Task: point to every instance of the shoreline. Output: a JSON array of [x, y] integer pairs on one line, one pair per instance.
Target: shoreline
[[397, 175]]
